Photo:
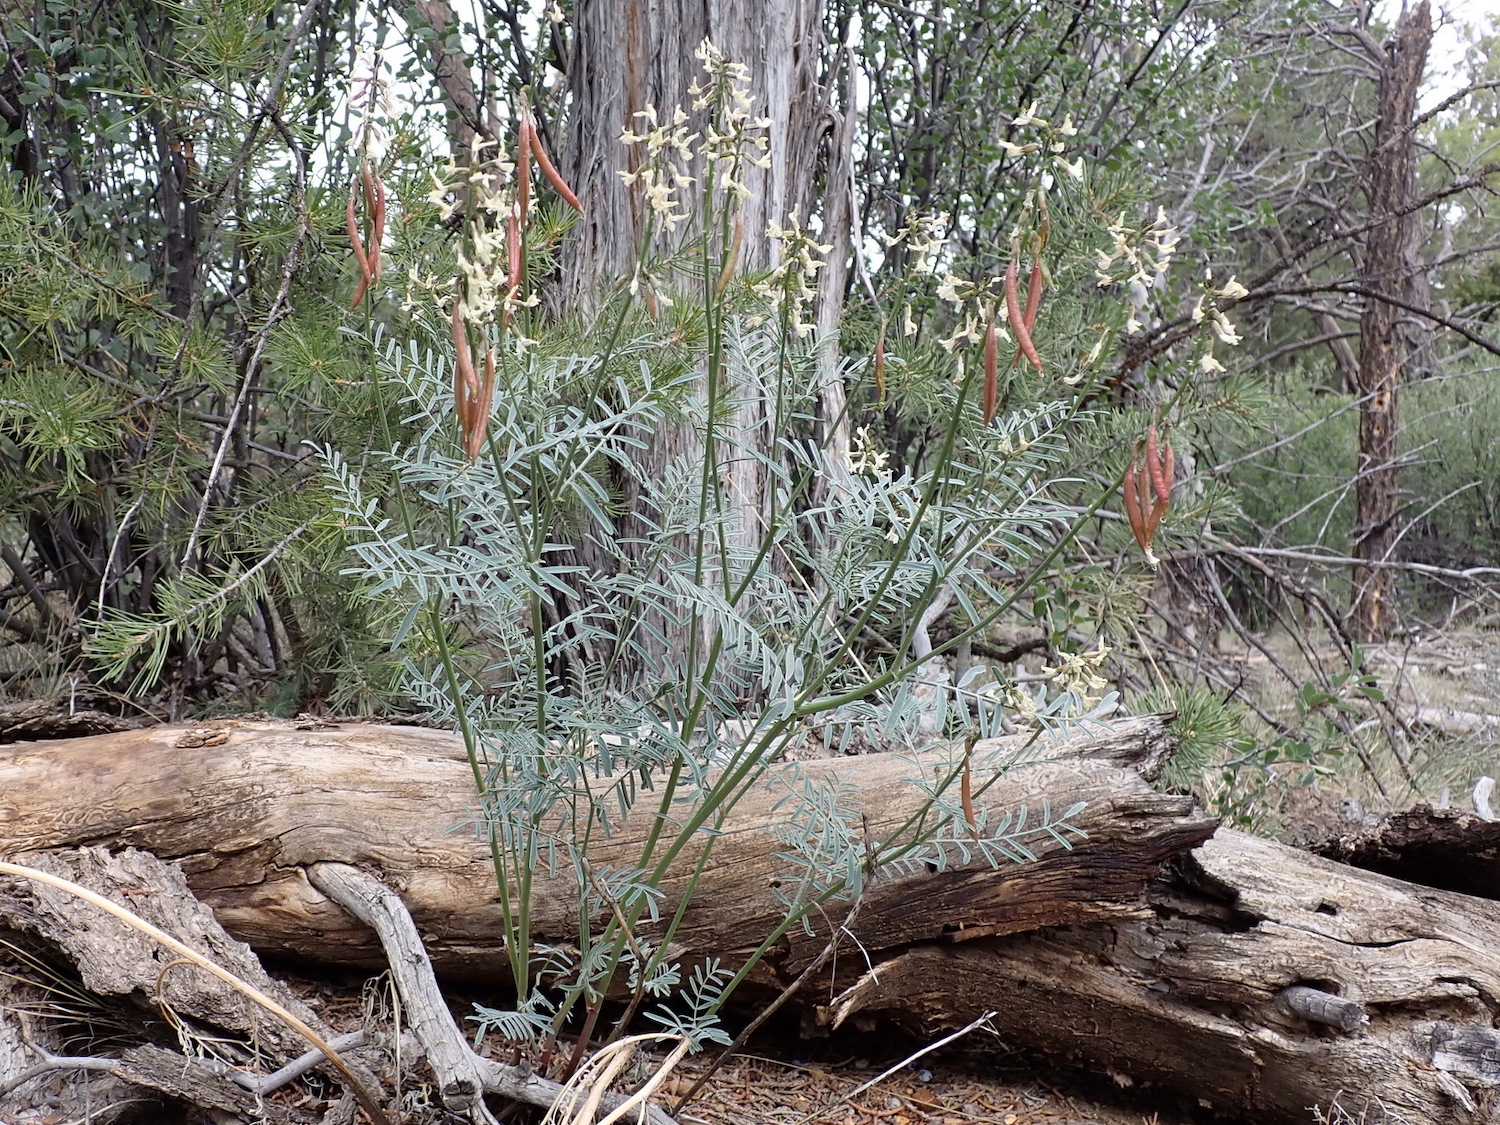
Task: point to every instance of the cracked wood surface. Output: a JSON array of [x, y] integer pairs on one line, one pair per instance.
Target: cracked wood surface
[[245, 814], [1132, 954], [1190, 996]]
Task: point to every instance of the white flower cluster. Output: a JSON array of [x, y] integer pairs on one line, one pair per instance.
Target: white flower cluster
[[369, 103], [923, 240], [1138, 257], [863, 457], [1078, 672], [733, 137], [669, 152], [1052, 142], [971, 319], [1076, 675], [487, 184], [1207, 310], [789, 286]]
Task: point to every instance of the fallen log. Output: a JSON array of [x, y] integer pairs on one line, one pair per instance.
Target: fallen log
[[1253, 977], [1437, 847], [244, 808]]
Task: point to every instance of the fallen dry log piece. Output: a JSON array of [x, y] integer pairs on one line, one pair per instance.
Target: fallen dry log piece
[[261, 816], [1447, 848], [1210, 995], [130, 927], [1256, 978], [247, 807]]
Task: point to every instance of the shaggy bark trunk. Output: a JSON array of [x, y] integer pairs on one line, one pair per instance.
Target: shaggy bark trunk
[[632, 55], [1256, 978], [1392, 268]]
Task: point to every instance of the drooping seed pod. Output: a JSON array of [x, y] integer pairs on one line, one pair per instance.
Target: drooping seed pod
[[523, 167], [1017, 319], [1168, 472], [880, 369], [514, 279], [360, 257], [1133, 514], [544, 162], [1033, 303], [1153, 464], [378, 234], [480, 416], [1033, 295], [966, 799], [465, 382]]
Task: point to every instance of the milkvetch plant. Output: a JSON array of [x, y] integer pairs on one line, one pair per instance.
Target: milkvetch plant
[[541, 632]]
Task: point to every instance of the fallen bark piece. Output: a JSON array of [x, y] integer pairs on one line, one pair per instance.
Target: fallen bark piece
[[60, 718], [194, 1082], [115, 960]]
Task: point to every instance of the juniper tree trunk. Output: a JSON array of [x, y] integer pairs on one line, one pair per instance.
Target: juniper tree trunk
[[634, 54], [1391, 270]]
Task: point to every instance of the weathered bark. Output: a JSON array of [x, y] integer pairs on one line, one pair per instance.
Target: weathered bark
[[1193, 994], [1244, 973], [1447, 848], [244, 817], [632, 55], [1391, 268]]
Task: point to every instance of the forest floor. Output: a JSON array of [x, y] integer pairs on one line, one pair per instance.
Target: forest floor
[[1443, 687], [783, 1079], [761, 1090]]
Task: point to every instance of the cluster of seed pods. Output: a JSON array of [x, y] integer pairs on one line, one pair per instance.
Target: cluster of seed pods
[[373, 189], [1148, 489], [472, 395]]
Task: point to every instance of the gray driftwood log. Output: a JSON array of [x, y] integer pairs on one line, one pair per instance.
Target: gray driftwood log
[[1255, 978], [248, 809]]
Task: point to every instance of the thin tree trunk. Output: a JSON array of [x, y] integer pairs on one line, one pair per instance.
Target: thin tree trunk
[[1391, 267]]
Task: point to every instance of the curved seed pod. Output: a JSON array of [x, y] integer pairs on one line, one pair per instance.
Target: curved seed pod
[[1154, 466], [513, 282], [1017, 321], [991, 382], [379, 236], [1168, 472], [1133, 509], [523, 167], [966, 799], [1153, 521], [375, 209], [465, 382], [474, 435], [360, 257], [550, 171], [1033, 294], [880, 368], [1033, 301]]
